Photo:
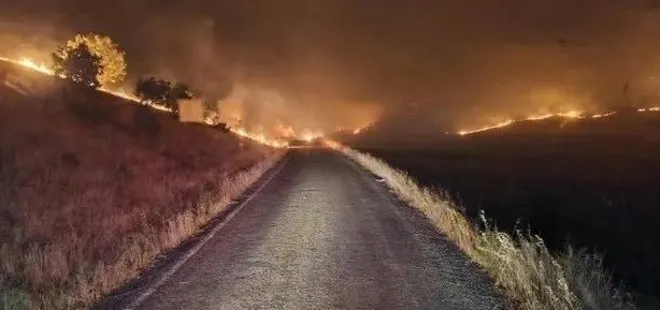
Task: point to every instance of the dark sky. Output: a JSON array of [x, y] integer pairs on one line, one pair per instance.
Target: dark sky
[[428, 66]]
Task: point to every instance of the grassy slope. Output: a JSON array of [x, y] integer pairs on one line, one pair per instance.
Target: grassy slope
[[521, 265], [90, 196], [590, 183]]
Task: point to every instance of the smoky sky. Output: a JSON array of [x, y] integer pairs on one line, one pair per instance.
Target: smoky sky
[[418, 66]]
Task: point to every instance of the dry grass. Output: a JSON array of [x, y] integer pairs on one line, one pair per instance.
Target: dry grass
[[87, 201], [521, 265]]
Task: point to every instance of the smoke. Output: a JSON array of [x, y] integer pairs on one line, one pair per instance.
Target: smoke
[[415, 68]]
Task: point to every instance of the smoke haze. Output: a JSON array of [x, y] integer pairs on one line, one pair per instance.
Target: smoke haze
[[416, 67]]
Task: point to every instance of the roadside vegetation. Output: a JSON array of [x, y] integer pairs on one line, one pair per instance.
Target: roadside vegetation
[[520, 264], [94, 188], [161, 92]]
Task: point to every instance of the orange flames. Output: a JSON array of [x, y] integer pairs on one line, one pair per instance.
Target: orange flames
[[42, 68], [654, 109], [356, 130], [567, 115], [603, 115], [284, 131], [29, 63], [360, 129], [573, 114], [261, 138], [310, 136], [121, 93]]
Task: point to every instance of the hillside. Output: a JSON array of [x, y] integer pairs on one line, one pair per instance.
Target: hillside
[[590, 183], [631, 123], [93, 188]]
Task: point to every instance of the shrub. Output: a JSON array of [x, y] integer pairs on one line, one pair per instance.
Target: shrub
[[161, 92]]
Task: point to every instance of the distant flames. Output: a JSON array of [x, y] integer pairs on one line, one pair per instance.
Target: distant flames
[[283, 133], [360, 129], [567, 115], [654, 109], [355, 131], [261, 138], [309, 136]]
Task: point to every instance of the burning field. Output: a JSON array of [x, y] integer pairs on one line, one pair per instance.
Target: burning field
[[588, 183], [255, 114], [545, 112], [571, 115], [93, 187]]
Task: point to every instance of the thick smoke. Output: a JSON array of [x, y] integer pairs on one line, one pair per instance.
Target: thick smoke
[[417, 67]]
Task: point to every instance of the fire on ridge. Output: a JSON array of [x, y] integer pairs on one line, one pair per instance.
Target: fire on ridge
[[574, 114], [286, 133]]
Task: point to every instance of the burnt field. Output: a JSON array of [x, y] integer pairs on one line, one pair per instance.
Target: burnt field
[[592, 184]]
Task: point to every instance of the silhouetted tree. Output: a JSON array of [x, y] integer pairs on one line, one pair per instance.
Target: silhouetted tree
[[111, 56], [78, 65], [145, 89], [177, 92], [161, 92]]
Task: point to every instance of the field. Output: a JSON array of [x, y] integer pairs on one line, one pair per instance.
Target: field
[[590, 184], [93, 189]]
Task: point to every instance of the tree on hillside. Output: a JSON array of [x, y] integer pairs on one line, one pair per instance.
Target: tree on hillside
[[145, 89], [79, 65], [161, 92], [112, 58], [177, 92]]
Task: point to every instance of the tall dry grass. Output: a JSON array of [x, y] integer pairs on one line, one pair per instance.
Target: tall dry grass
[[90, 198], [520, 265]]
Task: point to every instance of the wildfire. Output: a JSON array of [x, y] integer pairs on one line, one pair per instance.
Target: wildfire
[[284, 131], [573, 114], [311, 136], [567, 115], [360, 129], [44, 69], [261, 138], [498, 125], [603, 115], [653, 109], [356, 130], [332, 144], [29, 63]]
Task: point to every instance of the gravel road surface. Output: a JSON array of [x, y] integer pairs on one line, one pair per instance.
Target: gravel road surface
[[322, 234]]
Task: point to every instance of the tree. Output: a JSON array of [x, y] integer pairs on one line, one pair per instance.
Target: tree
[[79, 65], [161, 92], [145, 89], [113, 63], [177, 92]]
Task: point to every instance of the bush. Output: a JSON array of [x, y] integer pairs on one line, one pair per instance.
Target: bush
[[161, 92]]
